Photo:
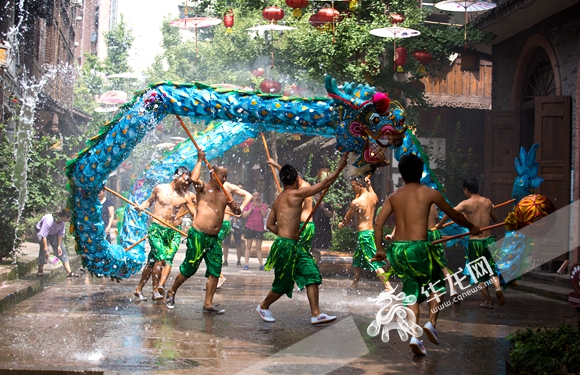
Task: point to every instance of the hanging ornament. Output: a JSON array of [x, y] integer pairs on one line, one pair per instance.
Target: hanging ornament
[[400, 58], [396, 18], [297, 6], [328, 15], [314, 21], [273, 13], [258, 72], [229, 20], [245, 145], [424, 58], [269, 86]]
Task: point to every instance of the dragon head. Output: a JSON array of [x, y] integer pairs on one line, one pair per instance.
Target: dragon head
[[369, 122]]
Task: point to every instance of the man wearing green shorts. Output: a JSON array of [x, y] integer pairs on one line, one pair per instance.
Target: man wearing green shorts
[[363, 208], [292, 263], [167, 200], [202, 239], [412, 257], [307, 234], [479, 210]]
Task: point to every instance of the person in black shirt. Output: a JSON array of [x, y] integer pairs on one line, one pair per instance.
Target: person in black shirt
[[322, 216]]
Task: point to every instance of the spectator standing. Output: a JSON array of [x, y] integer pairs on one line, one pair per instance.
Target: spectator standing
[[254, 213]]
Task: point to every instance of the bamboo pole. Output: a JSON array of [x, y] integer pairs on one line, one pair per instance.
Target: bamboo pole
[[226, 192], [136, 243], [271, 166], [467, 234], [147, 212]]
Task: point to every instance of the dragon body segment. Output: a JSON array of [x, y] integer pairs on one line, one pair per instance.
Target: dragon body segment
[[363, 121]]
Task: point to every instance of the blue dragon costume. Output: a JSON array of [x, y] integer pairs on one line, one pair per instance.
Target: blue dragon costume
[[362, 120]]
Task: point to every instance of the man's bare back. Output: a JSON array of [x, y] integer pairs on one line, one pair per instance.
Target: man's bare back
[[479, 210], [411, 205]]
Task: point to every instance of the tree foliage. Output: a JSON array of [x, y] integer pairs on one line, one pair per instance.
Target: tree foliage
[[305, 55]]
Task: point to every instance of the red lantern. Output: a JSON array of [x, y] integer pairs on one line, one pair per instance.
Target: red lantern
[[258, 72], [400, 58], [245, 145], [269, 86], [328, 15], [396, 18], [273, 13], [297, 6], [315, 21], [229, 20], [424, 58]]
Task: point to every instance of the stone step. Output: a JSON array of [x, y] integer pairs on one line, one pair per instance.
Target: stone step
[[547, 278], [547, 290]]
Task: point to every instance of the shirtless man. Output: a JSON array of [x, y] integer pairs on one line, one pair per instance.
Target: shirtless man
[[410, 253], [227, 224], [202, 238], [292, 262], [363, 207], [479, 210], [167, 199], [307, 235]]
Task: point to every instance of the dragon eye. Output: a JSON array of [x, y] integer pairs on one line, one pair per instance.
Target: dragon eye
[[374, 119]]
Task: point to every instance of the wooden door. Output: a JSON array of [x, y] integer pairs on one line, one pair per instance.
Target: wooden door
[[553, 131], [502, 144]]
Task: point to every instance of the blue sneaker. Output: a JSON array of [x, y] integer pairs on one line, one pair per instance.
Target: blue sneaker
[[261, 268], [246, 268]]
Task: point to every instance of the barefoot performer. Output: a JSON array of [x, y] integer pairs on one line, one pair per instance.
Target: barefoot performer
[[291, 262], [411, 256], [202, 238], [363, 207], [168, 200], [480, 210]]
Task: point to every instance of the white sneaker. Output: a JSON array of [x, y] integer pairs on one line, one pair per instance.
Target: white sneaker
[[417, 347], [431, 333], [322, 318], [265, 314]]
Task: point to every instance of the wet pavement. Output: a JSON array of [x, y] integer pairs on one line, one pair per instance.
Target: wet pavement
[[96, 325]]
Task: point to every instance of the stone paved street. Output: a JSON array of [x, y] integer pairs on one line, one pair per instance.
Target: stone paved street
[[95, 324]]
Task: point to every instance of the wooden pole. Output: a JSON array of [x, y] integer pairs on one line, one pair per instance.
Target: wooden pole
[[147, 212], [271, 166], [467, 234], [136, 243], [495, 206], [226, 192]]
